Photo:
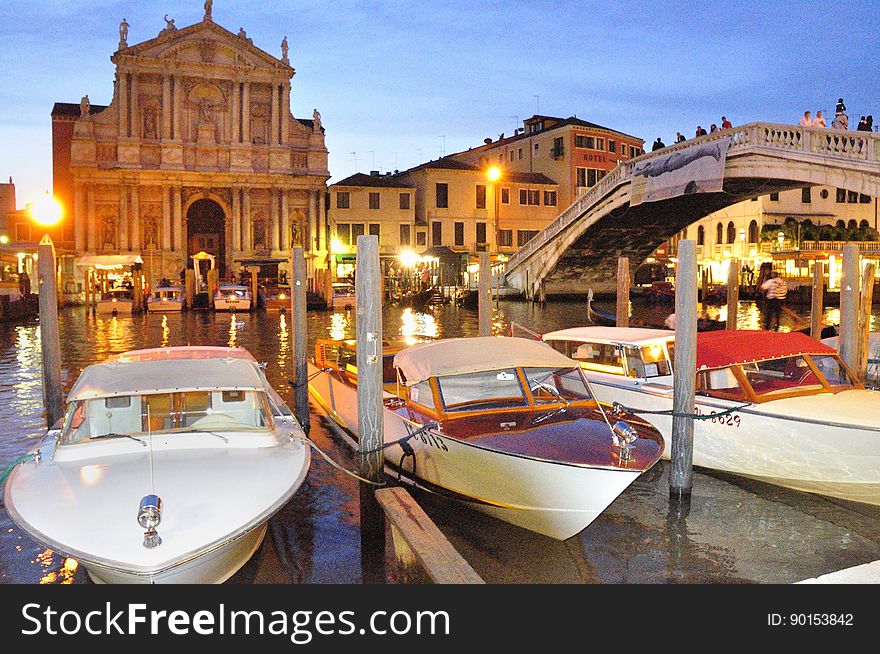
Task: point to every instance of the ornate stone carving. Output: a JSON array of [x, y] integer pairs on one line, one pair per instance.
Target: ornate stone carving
[[260, 123], [151, 119], [207, 50], [106, 152], [85, 108], [109, 221], [150, 235], [169, 26], [123, 35]]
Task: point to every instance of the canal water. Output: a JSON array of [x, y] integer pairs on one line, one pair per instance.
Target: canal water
[[735, 531]]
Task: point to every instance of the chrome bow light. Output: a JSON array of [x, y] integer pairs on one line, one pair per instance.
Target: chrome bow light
[[624, 436], [149, 517]]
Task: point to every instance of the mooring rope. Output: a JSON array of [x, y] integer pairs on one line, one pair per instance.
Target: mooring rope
[[7, 470], [617, 406]]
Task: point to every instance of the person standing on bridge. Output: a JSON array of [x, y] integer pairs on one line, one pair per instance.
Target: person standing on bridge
[[819, 120], [841, 120], [863, 125], [700, 132], [679, 137], [805, 121], [775, 289], [725, 124], [658, 144]]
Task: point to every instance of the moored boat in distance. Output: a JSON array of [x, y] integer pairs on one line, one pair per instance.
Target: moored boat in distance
[[167, 466], [342, 295], [116, 301], [787, 410], [166, 298], [505, 425], [233, 297]]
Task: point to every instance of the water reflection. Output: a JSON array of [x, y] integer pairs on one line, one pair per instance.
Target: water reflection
[[166, 331], [338, 327], [233, 331], [415, 327]]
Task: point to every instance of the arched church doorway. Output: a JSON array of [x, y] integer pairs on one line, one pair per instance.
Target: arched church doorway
[[206, 231]]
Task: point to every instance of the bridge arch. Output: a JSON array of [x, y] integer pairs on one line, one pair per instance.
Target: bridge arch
[[579, 250]]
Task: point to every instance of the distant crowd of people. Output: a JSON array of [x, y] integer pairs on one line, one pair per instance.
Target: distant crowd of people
[[700, 131], [841, 119]]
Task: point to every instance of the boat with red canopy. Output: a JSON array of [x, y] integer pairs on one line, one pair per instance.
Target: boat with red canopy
[[780, 407]]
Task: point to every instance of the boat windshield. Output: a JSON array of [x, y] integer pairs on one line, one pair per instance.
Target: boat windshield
[[647, 361], [780, 376], [481, 391], [138, 415], [555, 385]]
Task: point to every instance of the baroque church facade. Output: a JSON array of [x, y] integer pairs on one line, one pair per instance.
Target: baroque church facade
[[197, 152]]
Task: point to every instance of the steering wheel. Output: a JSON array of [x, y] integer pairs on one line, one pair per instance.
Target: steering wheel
[[550, 389]]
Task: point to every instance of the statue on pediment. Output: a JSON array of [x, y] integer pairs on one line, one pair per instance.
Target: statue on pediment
[[243, 35], [151, 122], [85, 107], [169, 26], [123, 34], [206, 112], [108, 226], [208, 6], [316, 117], [284, 49]]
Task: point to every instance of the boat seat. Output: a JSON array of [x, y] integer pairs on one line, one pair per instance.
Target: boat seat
[[160, 412], [722, 379]]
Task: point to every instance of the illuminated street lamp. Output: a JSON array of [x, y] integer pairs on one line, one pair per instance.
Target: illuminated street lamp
[[781, 238], [493, 174], [46, 211]]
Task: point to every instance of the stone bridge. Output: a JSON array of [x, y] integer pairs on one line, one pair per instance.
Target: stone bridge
[[579, 250]]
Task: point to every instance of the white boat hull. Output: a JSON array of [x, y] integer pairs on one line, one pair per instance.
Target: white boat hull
[[224, 304], [772, 442], [117, 307], [555, 499], [164, 307]]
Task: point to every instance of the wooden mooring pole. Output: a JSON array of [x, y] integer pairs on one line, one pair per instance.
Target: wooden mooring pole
[[681, 475], [484, 306], [848, 343], [623, 284], [298, 282], [368, 333], [817, 299], [732, 294], [50, 343], [865, 320]]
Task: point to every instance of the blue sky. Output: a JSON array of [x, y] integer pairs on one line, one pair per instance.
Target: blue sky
[[399, 83]]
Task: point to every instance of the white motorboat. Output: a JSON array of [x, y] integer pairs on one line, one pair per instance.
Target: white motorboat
[[506, 425], [116, 301], [789, 410], [342, 296], [232, 297], [166, 469], [166, 298]]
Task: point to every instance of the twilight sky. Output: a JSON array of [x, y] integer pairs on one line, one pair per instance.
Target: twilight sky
[[399, 83]]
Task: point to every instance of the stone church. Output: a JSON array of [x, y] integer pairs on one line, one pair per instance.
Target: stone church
[[197, 152]]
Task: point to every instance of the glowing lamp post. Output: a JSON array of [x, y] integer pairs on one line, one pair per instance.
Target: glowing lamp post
[[493, 174], [47, 212], [781, 238]]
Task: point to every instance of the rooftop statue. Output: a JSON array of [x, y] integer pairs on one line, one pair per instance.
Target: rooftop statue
[[208, 6], [316, 116], [85, 107], [284, 51], [123, 34], [169, 26]]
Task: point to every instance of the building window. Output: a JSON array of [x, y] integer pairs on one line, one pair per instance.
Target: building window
[[404, 201], [774, 197], [753, 231], [357, 229], [405, 235], [436, 233], [23, 232], [731, 232], [806, 196], [558, 148], [511, 155], [459, 234], [581, 176], [505, 195], [852, 197], [841, 195], [719, 234], [374, 200], [701, 235], [442, 195], [505, 238], [864, 199], [549, 198], [520, 154], [535, 198], [589, 142], [343, 200], [421, 239], [343, 233], [481, 232], [481, 196], [594, 175], [375, 230], [523, 197], [523, 236], [612, 146]]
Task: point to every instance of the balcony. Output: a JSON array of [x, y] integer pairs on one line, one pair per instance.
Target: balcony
[[557, 152]]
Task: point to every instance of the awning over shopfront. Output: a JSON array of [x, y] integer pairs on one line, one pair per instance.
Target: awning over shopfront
[[109, 261]]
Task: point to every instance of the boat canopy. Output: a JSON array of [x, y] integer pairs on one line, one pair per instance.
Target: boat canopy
[[183, 352], [120, 377], [613, 335], [458, 356], [722, 348], [109, 261]]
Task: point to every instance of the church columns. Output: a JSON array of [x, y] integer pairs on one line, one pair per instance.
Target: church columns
[[322, 222], [122, 95], [135, 220], [166, 107], [122, 240], [273, 138], [285, 112], [135, 129], [176, 106], [79, 218], [177, 211], [247, 230], [235, 112], [273, 224], [166, 218], [246, 113], [236, 219], [311, 237], [285, 221], [92, 226]]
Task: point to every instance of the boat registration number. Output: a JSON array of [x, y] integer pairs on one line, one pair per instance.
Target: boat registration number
[[429, 439], [728, 420]]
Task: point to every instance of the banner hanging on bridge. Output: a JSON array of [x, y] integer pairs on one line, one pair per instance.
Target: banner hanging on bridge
[[694, 169]]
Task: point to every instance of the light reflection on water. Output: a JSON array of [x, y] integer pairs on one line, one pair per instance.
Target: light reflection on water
[[315, 538]]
